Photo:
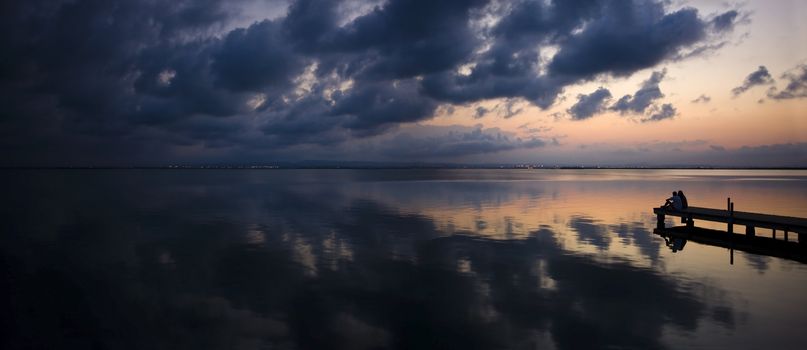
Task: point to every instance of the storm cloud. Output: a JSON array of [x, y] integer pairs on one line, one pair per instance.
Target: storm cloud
[[628, 36], [91, 81]]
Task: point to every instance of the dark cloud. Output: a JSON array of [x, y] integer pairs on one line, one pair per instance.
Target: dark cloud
[[169, 86], [796, 85], [627, 37], [455, 142], [666, 111], [615, 40], [256, 58], [372, 107], [785, 153], [95, 79], [773, 155], [306, 121], [509, 108], [725, 21], [406, 38], [645, 97], [589, 105], [399, 39], [702, 99], [85, 64], [480, 112], [758, 77], [692, 153], [311, 25]]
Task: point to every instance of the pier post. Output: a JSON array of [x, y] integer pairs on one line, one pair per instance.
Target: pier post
[[749, 231], [731, 216], [660, 220], [690, 222]]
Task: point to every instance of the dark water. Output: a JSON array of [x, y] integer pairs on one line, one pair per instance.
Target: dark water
[[342, 259]]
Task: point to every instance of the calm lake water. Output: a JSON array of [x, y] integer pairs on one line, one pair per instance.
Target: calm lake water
[[406, 259]]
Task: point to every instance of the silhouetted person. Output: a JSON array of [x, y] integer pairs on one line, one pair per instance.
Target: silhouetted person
[[675, 244], [678, 244], [673, 202], [684, 203]]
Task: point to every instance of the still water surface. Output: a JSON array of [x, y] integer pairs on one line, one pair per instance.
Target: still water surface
[[407, 259]]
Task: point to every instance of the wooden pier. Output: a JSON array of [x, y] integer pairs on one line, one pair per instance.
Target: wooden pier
[[751, 221], [782, 247]]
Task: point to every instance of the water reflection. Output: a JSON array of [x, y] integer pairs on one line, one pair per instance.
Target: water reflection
[[589, 231], [359, 260]]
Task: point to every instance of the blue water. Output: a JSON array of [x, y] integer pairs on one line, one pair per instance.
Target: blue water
[[407, 259]]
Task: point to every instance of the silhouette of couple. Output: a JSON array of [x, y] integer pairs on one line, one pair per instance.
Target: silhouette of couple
[[677, 202]]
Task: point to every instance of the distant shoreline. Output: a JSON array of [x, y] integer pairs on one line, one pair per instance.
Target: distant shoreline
[[391, 167]]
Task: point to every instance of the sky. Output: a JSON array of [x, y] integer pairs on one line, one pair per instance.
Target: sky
[[578, 82]]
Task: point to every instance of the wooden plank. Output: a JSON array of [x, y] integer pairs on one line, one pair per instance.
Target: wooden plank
[[758, 220]]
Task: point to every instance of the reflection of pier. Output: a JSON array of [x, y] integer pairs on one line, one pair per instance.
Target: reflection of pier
[[785, 247], [677, 237]]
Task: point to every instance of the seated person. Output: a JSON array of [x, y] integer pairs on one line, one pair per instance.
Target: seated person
[[684, 203], [673, 202]]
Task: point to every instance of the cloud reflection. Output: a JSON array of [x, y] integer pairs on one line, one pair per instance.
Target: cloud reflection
[[276, 266], [590, 232]]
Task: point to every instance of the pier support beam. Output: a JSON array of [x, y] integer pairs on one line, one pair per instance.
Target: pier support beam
[[749, 231], [660, 221]]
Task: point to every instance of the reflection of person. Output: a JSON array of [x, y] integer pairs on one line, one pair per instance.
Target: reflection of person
[[678, 244], [675, 244], [683, 198], [673, 202]]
